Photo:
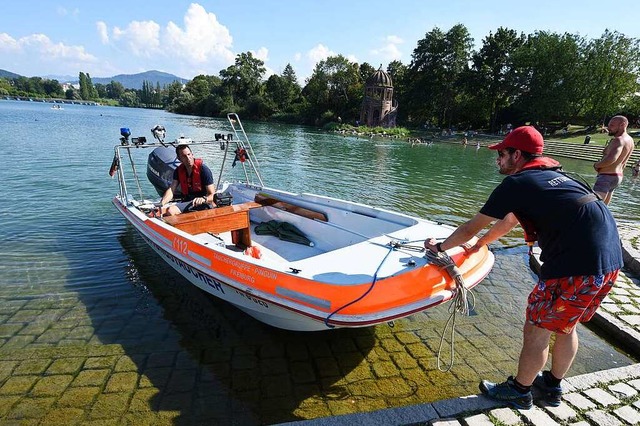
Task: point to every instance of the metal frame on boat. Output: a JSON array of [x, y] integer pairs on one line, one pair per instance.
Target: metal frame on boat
[[363, 266]]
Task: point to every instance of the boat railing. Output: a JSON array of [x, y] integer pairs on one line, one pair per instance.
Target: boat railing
[[243, 143]]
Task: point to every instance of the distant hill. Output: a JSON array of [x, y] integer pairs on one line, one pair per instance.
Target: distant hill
[[8, 74], [129, 81], [134, 81]]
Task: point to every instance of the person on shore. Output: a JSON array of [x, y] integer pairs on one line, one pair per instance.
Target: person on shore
[[580, 251], [614, 158], [635, 170], [196, 184]]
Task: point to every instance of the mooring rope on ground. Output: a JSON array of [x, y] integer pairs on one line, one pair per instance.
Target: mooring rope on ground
[[459, 304]]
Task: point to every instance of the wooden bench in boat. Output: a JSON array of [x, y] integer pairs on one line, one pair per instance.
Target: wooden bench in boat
[[267, 201], [234, 218]]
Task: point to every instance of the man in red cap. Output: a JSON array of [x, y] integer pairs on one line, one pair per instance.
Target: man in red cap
[[580, 250]]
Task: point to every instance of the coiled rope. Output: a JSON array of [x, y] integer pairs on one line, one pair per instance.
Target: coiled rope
[[463, 301]]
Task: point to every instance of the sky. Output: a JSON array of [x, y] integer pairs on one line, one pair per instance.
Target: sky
[[106, 38]]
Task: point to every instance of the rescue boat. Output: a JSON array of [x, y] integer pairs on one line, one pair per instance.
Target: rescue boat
[[328, 263]]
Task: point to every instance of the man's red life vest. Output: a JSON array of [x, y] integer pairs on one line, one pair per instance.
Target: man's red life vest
[[196, 181]]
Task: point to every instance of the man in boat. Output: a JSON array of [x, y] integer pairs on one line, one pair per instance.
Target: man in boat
[[580, 250], [196, 184], [614, 158]]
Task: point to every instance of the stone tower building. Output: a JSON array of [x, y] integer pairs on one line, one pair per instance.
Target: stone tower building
[[378, 107]]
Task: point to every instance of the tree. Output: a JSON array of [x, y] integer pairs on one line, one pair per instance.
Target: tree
[[87, 91], [283, 90], [335, 85], [101, 89], [171, 92], [129, 99], [549, 75], [243, 79], [493, 80], [115, 89], [611, 75], [366, 71], [437, 64]]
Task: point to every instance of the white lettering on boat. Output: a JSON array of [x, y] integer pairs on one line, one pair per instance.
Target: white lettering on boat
[[210, 281], [246, 268], [242, 276], [180, 245], [253, 299]]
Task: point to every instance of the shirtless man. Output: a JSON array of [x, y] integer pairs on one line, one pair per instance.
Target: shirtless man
[[614, 158]]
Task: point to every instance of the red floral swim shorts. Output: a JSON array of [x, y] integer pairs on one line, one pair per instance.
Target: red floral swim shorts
[[558, 304]]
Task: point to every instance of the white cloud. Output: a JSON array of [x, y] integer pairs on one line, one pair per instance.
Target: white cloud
[[103, 32], [203, 39], [262, 54], [142, 38], [297, 56], [8, 43], [389, 50], [202, 45], [319, 53], [26, 51], [62, 11]]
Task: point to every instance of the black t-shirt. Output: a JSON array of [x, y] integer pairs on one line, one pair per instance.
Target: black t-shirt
[[206, 177], [574, 240]]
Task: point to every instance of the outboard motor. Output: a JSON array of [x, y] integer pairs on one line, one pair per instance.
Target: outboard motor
[[161, 163]]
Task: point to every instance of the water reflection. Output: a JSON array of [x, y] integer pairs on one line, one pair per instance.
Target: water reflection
[[242, 371]]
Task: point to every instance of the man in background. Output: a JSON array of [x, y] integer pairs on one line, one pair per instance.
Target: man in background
[[614, 158]]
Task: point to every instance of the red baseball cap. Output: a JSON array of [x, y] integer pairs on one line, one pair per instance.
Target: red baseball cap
[[525, 138]]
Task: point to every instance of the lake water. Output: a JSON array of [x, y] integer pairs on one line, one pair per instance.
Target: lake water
[[88, 310]]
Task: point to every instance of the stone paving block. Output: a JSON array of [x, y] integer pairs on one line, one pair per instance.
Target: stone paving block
[[635, 383], [109, 406], [161, 359], [145, 400], [18, 385], [6, 402], [633, 320], [52, 385], [18, 342], [125, 363], [601, 397], [622, 390], [446, 422], [122, 382], [385, 369], [506, 416], [63, 416], [78, 397], [602, 418], [580, 423], [65, 366], [562, 412], [182, 381], [9, 330], [30, 408], [628, 414], [538, 417], [478, 420], [100, 362], [579, 401], [471, 403], [90, 378]]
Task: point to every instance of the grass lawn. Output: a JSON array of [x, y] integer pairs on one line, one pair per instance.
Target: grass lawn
[[596, 137]]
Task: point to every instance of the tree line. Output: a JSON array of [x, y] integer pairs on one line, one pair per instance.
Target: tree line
[[544, 77]]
